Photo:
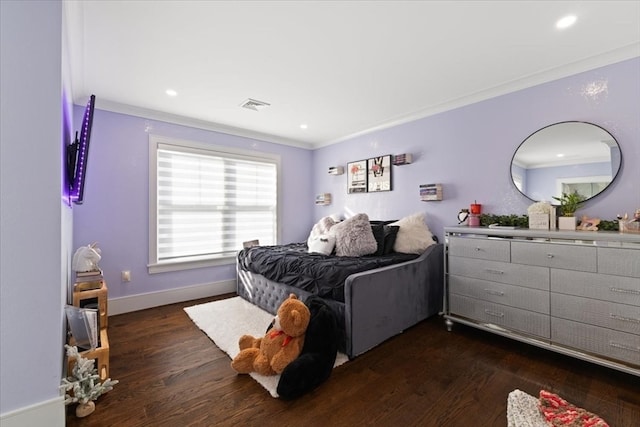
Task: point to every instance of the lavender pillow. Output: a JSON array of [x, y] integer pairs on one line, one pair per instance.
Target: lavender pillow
[[354, 236]]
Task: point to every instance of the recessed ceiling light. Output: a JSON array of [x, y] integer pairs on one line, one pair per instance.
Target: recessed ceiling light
[[566, 22], [560, 155], [171, 92], [303, 126]]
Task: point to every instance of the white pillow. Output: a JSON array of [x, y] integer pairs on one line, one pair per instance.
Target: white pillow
[[321, 227], [414, 237], [322, 244], [354, 236]]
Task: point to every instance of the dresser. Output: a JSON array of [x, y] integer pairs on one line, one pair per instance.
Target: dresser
[[574, 292]]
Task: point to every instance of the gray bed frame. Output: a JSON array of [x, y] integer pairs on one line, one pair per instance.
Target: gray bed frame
[[379, 303]]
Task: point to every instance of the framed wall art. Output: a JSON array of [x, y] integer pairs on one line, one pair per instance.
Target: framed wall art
[[357, 177], [379, 174]]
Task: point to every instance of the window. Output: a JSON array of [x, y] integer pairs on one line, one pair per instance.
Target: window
[[204, 201]]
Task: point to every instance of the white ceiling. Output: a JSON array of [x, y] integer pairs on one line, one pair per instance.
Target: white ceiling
[[344, 68]]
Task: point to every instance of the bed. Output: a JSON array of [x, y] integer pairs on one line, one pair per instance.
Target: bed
[[373, 303]]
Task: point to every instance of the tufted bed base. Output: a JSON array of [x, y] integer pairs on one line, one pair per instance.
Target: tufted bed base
[[379, 303]]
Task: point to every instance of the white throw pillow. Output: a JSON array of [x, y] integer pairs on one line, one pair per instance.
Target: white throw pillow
[[354, 236], [320, 228], [414, 237], [322, 244]]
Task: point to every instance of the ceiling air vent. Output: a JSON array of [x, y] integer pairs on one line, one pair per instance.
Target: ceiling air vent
[[255, 105]]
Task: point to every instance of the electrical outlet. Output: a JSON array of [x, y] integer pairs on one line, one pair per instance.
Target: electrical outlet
[[126, 276]]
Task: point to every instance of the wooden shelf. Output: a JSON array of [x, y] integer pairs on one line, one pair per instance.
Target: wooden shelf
[[100, 354], [81, 297]]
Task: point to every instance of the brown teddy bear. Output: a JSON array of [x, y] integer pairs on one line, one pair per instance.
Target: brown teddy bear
[[282, 343]]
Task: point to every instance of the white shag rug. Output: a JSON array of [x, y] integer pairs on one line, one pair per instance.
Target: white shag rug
[[225, 321]]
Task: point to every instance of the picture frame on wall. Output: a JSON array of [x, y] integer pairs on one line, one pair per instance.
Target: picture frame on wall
[[379, 174], [357, 177]]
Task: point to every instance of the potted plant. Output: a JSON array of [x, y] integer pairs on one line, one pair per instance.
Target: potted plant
[[569, 204], [84, 383]]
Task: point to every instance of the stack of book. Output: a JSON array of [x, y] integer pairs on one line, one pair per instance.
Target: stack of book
[[89, 279], [430, 192], [323, 199]]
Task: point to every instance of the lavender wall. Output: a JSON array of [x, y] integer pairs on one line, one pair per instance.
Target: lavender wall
[[32, 214], [115, 212], [468, 150]]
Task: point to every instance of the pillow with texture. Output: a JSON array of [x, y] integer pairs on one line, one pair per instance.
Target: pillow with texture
[[414, 237], [354, 236], [322, 244], [321, 227], [378, 234], [390, 235]]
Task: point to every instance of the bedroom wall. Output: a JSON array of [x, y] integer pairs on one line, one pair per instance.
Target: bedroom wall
[[115, 212], [34, 220], [468, 150]]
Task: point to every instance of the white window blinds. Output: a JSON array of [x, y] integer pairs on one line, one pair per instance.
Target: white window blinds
[[209, 202]]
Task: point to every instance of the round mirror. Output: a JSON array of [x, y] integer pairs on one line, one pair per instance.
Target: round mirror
[[564, 158]]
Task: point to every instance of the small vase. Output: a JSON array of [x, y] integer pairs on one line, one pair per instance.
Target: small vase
[[84, 409], [567, 222]]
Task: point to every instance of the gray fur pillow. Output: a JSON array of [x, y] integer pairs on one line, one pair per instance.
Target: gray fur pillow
[[354, 236]]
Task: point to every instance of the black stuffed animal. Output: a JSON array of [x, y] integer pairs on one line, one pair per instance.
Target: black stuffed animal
[[314, 365]]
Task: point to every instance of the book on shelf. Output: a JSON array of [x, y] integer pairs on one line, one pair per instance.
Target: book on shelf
[[429, 192], [89, 273], [86, 280], [83, 323]]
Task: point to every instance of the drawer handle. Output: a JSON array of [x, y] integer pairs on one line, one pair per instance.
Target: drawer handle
[[493, 292], [494, 313], [550, 256], [625, 291], [478, 249], [624, 346], [492, 271], [624, 319]]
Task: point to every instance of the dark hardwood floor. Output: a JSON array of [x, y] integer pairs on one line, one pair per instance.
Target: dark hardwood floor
[[171, 374]]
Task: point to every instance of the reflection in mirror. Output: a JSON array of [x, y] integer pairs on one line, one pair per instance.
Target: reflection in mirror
[[563, 158]]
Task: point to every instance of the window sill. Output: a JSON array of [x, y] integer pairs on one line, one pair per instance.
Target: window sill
[[165, 267]]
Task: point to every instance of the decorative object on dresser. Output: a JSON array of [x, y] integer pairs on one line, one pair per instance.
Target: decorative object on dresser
[[541, 216], [569, 204], [574, 292], [588, 224]]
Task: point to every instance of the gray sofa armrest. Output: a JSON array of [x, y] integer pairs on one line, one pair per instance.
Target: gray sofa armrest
[[384, 302]]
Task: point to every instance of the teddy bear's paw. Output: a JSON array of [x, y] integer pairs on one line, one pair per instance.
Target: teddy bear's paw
[[247, 341], [243, 362], [262, 366]]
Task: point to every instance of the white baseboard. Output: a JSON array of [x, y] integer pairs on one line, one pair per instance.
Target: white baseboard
[[50, 413], [155, 299]]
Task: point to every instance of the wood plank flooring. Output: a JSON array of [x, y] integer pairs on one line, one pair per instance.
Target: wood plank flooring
[[171, 374]]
